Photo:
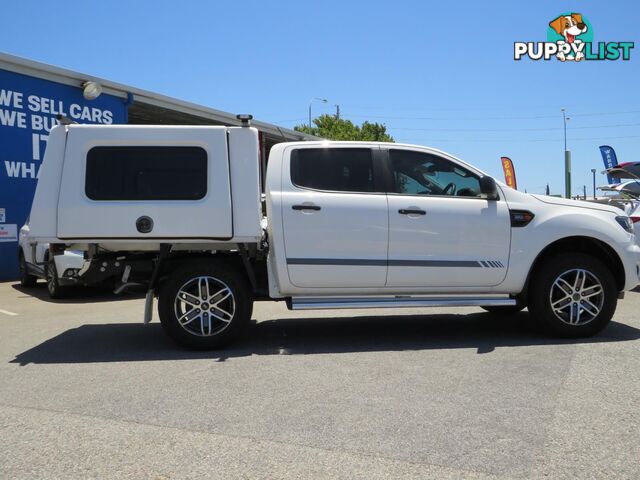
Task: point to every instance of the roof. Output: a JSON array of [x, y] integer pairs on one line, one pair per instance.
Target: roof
[[147, 107]]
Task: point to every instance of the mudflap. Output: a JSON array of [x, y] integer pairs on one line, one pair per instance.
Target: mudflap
[[148, 307], [165, 249]]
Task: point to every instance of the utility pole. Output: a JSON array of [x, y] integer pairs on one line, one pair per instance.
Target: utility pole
[[593, 172], [567, 159], [547, 190], [584, 192], [337, 111]]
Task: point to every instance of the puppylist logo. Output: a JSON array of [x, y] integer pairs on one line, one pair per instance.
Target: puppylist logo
[[570, 38]]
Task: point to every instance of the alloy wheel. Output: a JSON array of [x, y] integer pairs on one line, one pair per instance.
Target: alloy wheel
[[204, 306], [576, 297]]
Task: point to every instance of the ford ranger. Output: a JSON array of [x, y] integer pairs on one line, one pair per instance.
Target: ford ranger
[[188, 213]]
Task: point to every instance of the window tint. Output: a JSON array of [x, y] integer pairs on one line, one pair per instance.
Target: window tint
[[417, 173], [146, 173], [335, 169]]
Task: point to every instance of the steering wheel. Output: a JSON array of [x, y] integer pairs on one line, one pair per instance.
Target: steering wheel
[[450, 189]]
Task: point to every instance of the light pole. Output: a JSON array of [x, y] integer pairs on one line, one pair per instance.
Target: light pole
[[593, 172], [567, 159], [323, 100]]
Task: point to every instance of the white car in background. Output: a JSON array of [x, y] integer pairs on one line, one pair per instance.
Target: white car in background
[[634, 215], [35, 262]]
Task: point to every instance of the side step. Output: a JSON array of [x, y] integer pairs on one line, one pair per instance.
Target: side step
[[400, 301]]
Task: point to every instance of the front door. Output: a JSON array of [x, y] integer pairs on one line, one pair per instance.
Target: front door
[[441, 232], [335, 219]]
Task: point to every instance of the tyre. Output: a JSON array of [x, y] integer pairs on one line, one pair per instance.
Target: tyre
[[26, 280], [504, 310], [205, 305], [573, 295], [53, 283]]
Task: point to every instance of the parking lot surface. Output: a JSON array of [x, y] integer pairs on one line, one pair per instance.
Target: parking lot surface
[[87, 391]]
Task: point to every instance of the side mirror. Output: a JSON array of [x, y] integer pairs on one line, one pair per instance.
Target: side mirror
[[488, 188]]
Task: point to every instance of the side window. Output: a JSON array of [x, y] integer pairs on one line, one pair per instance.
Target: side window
[[146, 173], [333, 169], [418, 173]]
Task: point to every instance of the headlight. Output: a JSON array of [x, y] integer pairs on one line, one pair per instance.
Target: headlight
[[625, 222]]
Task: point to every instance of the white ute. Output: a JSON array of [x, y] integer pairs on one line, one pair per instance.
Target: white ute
[[59, 272], [178, 209]]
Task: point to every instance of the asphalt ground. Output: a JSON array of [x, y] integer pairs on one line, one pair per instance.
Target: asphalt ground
[[87, 391]]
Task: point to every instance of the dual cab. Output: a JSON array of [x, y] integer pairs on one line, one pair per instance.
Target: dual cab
[[180, 211]]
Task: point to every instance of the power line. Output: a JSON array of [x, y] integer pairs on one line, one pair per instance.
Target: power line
[[529, 117], [510, 129], [301, 120], [479, 109], [603, 113], [533, 117], [484, 140]]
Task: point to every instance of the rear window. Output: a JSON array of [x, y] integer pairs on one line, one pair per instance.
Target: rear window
[[333, 169], [146, 173]]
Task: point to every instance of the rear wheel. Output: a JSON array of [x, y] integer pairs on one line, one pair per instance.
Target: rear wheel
[[53, 282], [573, 295], [205, 305], [26, 280]]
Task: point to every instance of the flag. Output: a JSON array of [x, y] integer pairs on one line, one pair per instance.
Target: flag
[[509, 172], [609, 158]]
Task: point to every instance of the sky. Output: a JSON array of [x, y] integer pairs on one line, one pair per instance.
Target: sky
[[435, 73]]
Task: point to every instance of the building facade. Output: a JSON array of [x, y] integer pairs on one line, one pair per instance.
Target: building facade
[[33, 94]]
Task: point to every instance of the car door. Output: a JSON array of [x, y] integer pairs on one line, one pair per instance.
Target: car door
[[442, 233], [335, 218]]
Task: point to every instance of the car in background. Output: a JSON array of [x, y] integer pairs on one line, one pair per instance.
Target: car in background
[[634, 215], [60, 271]]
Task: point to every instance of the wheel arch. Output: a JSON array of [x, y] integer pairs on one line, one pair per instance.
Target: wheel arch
[[230, 260], [580, 244]]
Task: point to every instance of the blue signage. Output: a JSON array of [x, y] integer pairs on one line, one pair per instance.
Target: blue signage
[[609, 159], [28, 108]]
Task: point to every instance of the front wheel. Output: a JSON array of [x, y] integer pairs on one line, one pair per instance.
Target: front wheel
[[573, 295], [205, 305]]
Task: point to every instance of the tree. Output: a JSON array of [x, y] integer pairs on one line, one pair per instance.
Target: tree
[[334, 128]]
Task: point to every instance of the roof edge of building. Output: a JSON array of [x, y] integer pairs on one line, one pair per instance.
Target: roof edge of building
[[73, 78]]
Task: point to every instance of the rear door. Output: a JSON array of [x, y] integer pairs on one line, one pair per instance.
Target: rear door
[[441, 232], [335, 219]]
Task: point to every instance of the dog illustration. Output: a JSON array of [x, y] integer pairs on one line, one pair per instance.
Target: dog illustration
[[569, 26]]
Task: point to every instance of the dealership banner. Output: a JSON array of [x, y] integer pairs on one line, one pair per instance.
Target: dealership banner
[[609, 159], [28, 110], [509, 172]]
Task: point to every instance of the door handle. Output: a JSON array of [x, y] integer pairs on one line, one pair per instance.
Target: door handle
[[411, 211], [305, 207]]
